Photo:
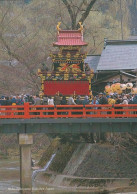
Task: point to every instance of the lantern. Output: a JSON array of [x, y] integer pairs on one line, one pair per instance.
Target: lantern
[[129, 85], [117, 86], [113, 87], [107, 89], [134, 90], [123, 86], [119, 91]]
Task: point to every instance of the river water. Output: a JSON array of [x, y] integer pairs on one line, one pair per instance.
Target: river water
[[10, 181]]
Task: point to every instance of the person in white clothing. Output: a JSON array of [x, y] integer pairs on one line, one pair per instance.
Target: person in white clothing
[[125, 100], [50, 101]]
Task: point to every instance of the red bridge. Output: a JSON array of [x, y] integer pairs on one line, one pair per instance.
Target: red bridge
[[27, 111], [28, 119]]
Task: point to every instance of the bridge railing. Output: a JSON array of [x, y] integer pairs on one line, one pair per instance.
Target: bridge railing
[[27, 111]]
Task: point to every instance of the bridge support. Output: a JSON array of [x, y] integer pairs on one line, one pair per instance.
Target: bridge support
[[25, 142]]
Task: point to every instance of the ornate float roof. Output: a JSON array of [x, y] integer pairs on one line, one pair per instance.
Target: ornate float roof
[[70, 37]]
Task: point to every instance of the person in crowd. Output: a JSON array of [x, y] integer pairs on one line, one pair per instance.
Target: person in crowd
[[86, 100], [14, 100], [135, 99], [19, 100], [8, 102], [3, 101], [100, 96], [64, 100], [50, 101], [103, 99], [118, 100], [94, 101], [79, 100], [125, 100], [130, 99], [71, 100], [37, 100], [31, 100], [45, 100], [57, 99]]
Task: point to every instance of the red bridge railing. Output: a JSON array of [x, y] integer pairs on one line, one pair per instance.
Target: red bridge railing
[[27, 111]]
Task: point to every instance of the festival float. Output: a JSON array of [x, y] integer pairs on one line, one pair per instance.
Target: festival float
[[70, 75]]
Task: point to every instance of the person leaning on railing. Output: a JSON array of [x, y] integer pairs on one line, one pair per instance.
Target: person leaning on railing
[[50, 102], [134, 101], [119, 100], [71, 100], [64, 102], [2, 103], [79, 101], [45, 102], [57, 101], [103, 100], [94, 102], [37, 101]]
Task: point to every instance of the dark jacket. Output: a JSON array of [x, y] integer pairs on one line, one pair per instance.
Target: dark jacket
[[57, 100], [103, 100], [79, 101], [63, 101], [45, 101], [135, 100]]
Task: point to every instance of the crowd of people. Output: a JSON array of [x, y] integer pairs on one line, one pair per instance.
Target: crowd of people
[[101, 98]]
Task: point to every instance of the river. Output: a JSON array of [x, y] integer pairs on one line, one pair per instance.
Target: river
[[10, 181]]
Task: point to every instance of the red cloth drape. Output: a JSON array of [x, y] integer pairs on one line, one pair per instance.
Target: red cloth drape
[[66, 87]]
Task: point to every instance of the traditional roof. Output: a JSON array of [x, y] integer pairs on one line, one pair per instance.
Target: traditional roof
[[70, 38], [92, 61], [118, 55]]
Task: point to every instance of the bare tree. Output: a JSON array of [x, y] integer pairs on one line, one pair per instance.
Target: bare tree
[[78, 11]]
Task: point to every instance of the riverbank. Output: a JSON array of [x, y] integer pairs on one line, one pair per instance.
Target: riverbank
[[9, 171], [84, 184]]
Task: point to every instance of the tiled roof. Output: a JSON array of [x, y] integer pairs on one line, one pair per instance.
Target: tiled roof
[[119, 55], [92, 61], [70, 38]]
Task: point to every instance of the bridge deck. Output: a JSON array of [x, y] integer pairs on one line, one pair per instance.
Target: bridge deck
[[69, 125]]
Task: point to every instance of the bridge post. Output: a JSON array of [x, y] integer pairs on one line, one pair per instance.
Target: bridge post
[[25, 142]]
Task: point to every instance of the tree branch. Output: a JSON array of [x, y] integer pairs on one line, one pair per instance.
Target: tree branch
[[68, 8], [85, 14], [79, 8]]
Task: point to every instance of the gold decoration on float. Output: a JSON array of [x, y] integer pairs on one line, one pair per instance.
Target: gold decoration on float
[[58, 27]]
